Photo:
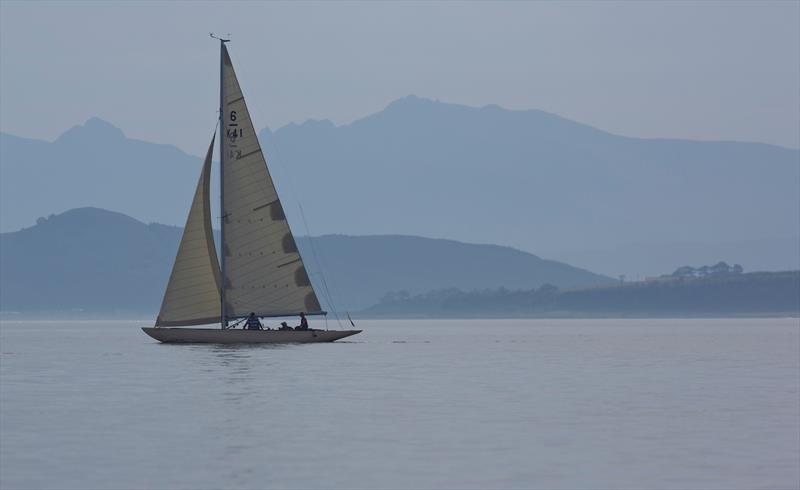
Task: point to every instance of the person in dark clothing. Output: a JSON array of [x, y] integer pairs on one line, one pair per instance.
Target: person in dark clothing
[[303, 322], [253, 323]]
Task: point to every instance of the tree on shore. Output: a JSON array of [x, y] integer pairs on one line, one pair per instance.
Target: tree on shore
[[719, 269]]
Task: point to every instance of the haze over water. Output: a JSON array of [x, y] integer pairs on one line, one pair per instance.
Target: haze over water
[[709, 403]]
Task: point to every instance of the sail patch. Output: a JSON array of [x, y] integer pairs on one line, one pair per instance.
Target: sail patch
[[312, 303], [276, 212], [301, 277], [288, 244]]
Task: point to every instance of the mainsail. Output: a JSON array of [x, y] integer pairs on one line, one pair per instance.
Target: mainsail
[[263, 271], [193, 291]]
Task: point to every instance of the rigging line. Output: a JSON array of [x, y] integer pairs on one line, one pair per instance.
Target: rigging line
[[236, 323], [327, 291]]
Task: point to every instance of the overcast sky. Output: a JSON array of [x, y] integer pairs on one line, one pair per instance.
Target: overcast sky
[[699, 70]]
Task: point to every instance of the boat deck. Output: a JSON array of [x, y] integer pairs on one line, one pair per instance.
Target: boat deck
[[233, 336]]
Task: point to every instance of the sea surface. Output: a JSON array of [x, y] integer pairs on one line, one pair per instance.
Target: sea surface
[[566, 404]]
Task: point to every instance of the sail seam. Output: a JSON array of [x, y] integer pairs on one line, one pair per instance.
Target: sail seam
[[298, 259], [265, 205], [248, 154]]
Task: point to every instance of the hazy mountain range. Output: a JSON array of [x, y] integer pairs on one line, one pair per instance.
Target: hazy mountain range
[[97, 261], [528, 179]]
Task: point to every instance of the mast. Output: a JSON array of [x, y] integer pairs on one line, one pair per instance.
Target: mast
[[224, 316]]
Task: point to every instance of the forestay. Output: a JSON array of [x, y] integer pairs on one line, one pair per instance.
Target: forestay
[[193, 291], [264, 272]]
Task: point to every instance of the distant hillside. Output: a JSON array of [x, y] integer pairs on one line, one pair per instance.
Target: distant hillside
[[93, 164], [85, 260], [529, 179], [93, 260], [759, 293], [364, 268]]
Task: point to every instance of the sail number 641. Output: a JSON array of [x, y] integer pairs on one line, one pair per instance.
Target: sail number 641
[[234, 132]]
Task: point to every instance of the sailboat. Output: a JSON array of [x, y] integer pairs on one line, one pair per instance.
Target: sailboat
[[260, 268]]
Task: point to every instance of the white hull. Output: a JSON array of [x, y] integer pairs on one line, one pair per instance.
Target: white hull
[[219, 336]]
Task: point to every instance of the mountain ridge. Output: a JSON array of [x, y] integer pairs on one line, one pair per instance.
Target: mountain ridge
[[95, 260], [529, 179], [412, 99], [266, 131]]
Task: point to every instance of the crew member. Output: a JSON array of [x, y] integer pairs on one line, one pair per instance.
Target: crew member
[[253, 323], [303, 322]]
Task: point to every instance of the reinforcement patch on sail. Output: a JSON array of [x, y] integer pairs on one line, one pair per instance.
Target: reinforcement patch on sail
[[264, 272], [193, 292]]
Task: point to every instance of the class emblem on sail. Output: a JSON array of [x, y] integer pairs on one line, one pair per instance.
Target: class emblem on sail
[[259, 268]]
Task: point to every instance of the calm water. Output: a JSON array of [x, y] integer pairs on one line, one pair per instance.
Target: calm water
[[409, 404]]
